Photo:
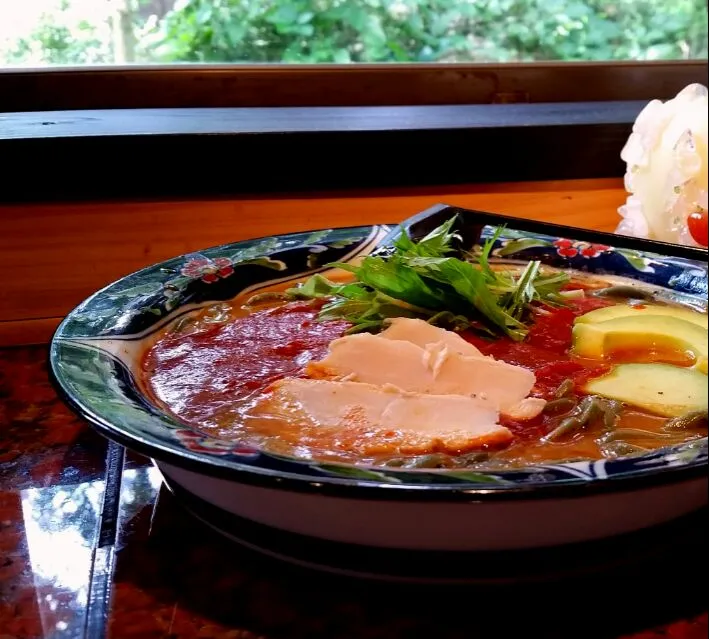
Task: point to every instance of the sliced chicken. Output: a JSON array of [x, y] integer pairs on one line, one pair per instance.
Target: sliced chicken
[[422, 333], [528, 408], [435, 369], [372, 420]]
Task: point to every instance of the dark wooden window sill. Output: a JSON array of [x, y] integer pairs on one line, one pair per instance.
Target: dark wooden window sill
[[277, 85], [123, 153]]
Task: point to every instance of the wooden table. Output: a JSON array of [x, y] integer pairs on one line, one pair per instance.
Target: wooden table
[[173, 577], [54, 255]]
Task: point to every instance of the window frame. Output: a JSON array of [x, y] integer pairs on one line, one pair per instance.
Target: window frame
[[264, 85], [247, 152], [445, 124]]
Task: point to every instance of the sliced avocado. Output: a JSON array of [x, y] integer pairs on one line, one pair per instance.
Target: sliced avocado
[[661, 389], [628, 310], [642, 333]]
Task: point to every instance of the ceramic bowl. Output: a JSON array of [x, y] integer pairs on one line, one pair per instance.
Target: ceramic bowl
[[94, 361]]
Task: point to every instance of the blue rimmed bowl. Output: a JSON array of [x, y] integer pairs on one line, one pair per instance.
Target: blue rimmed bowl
[[94, 359]]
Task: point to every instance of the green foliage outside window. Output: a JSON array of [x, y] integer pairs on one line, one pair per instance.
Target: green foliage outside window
[[313, 31], [54, 41]]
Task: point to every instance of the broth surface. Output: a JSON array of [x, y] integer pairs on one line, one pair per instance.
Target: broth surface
[[210, 369]]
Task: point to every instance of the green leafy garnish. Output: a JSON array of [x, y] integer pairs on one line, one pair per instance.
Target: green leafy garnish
[[423, 280]]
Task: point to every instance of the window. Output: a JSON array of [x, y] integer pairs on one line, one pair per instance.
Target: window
[[82, 54], [454, 76], [78, 32]]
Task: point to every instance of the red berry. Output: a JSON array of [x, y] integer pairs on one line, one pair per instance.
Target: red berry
[[697, 226]]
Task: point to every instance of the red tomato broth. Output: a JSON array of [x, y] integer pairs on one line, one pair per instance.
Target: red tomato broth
[[210, 377], [199, 375], [546, 351], [546, 348]]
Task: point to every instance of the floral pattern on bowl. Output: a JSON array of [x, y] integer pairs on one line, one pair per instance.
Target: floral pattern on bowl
[[94, 354]]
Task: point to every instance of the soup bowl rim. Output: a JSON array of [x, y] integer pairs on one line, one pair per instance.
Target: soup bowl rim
[[681, 463]]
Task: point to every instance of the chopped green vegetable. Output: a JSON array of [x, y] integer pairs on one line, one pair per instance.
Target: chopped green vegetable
[[565, 389], [563, 403], [435, 460], [620, 448], [689, 421], [590, 410], [623, 291], [421, 279], [435, 244], [265, 298]]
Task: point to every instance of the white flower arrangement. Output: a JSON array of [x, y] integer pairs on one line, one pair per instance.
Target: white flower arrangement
[[666, 177]]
